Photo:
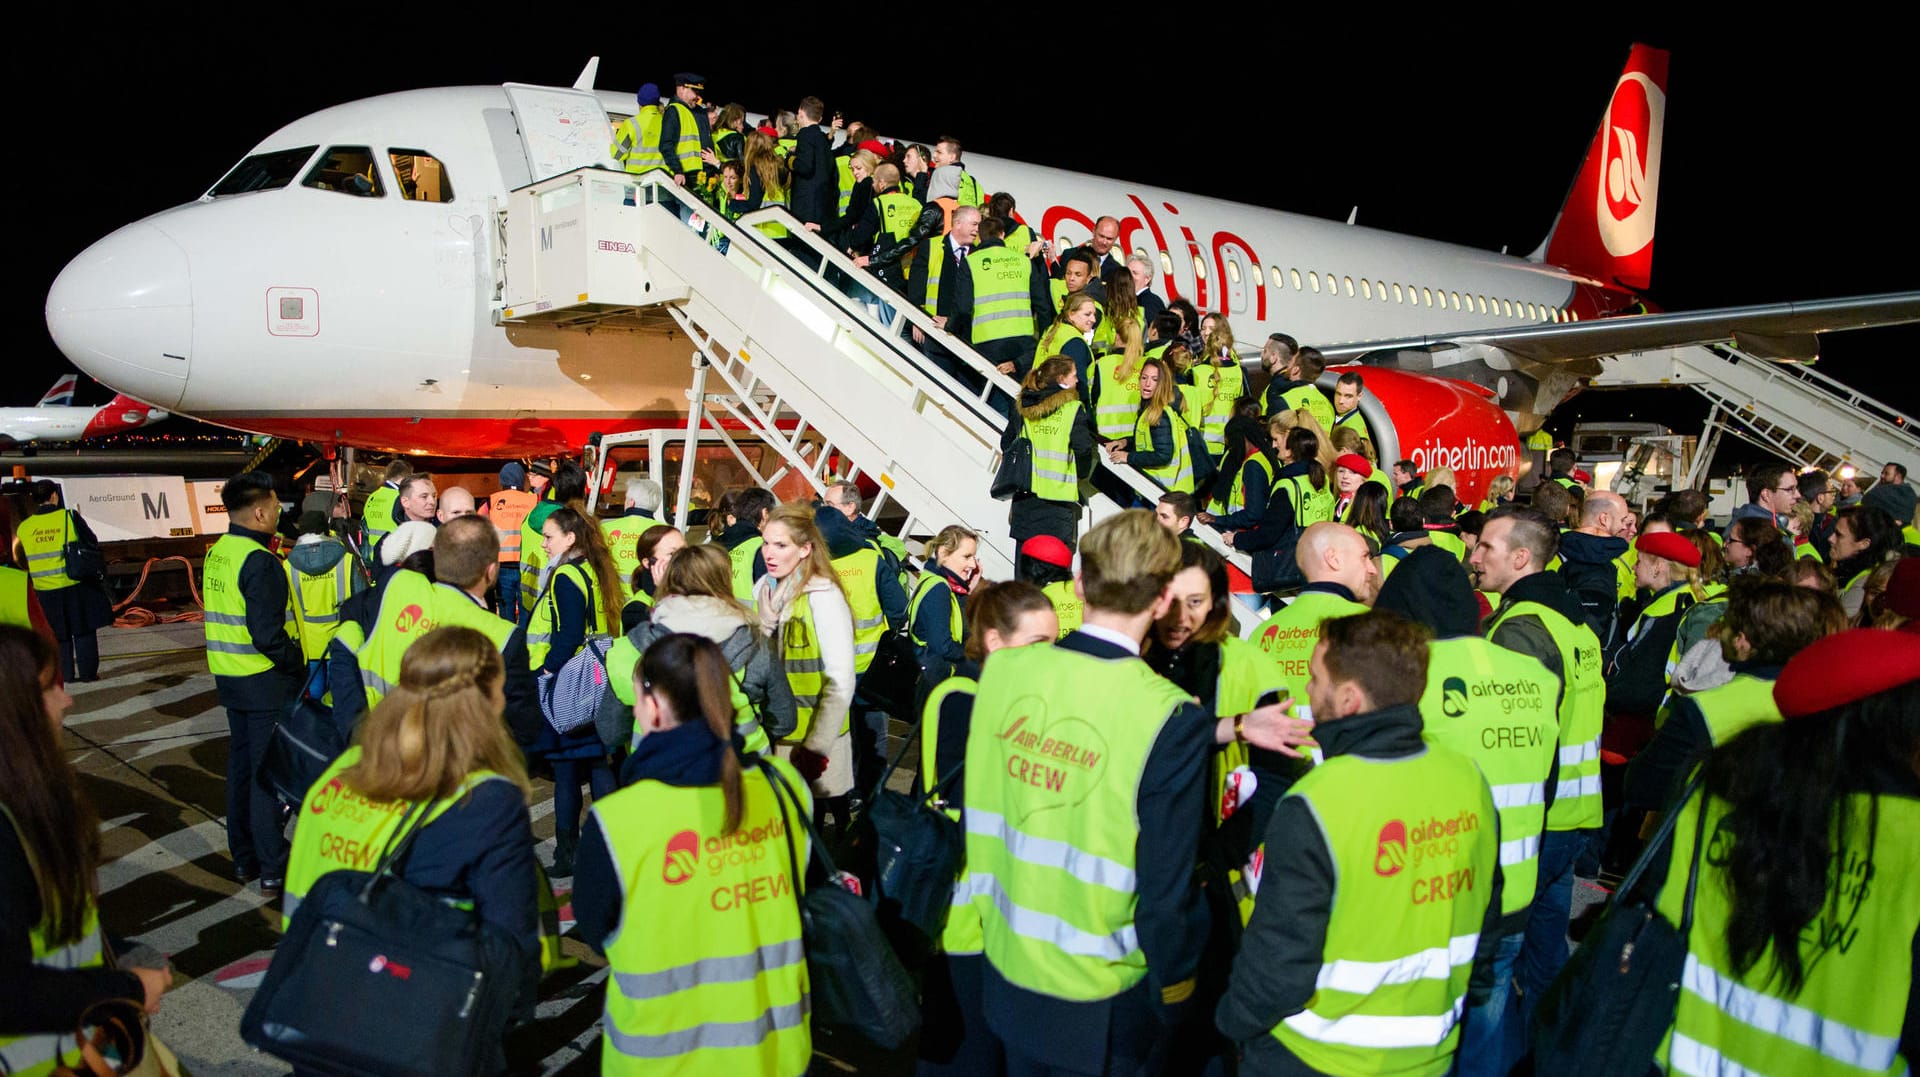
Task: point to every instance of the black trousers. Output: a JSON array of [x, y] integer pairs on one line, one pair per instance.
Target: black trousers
[[254, 834]]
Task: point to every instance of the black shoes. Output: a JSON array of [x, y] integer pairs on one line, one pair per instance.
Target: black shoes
[[245, 873]]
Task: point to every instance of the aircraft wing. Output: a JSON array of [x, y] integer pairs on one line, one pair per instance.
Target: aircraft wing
[[1771, 331]]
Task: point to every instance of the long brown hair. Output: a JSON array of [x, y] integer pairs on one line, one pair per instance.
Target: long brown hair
[[439, 724], [705, 570], [763, 164], [1164, 394], [691, 673], [591, 545], [1122, 305], [41, 791]]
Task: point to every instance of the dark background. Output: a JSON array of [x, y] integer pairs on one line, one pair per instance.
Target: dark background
[[1785, 173]]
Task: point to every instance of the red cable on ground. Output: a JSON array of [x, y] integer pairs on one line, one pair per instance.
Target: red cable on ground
[[140, 617]]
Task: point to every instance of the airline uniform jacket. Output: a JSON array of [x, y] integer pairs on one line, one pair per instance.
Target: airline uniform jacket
[[1283, 948]]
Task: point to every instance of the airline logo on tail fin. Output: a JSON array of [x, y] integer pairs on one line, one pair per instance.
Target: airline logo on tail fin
[[1605, 230], [61, 395]]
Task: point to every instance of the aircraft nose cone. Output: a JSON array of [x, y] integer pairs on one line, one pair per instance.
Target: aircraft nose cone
[[122, 311]]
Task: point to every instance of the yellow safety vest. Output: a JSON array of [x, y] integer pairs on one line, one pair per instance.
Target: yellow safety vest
[[961, 935], [725, 991], [956, 625], [1002, 309], [684, 154], [742, 558], [545, 618], [13, 598], [859, 574], [230, 649], [1066, 605], [316, 605], [1224, 386], [1237, 493], [1315, 401], [376, 516], [636, 142], [1054, 475], [43, 536], [806, 670], [1289, 635], [843, 176], [36, 1055], [621, 533], [1118, 404], [773, 196], [1576, 800], [410, 607], [1177, 474]]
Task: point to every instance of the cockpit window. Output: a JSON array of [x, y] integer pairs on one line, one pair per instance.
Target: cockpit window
[[263, 172], [347, 169], [421, 175]]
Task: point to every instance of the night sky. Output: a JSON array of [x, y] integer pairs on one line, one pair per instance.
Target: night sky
[[1782, 179]]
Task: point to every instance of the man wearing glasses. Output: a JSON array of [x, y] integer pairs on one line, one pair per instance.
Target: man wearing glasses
[[1773, 490]]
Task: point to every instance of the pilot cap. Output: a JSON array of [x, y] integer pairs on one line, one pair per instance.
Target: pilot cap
[[1048, 550], [1670, 546], [1844, 668], [690, 80]]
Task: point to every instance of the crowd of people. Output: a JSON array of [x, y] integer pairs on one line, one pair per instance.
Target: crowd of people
[[1345, 843]]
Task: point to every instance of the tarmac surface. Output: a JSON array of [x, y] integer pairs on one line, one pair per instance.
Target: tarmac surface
[[149, 740]]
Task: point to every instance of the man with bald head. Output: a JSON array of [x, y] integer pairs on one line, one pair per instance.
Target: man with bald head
[[1537, 616], [455, 501], [1594, 562], [1342, 579], [1100, 247]]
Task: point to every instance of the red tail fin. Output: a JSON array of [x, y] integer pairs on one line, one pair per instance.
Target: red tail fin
[[1605, 231]]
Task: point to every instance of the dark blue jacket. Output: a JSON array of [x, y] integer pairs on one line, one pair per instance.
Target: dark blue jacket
[[263, 588]]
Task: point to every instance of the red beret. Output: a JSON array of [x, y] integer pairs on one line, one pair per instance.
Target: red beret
[[1903, 590], [1844, 668], [1670, 546], [1355, 463], [1048, 550], [1581, 476], [877, 148]]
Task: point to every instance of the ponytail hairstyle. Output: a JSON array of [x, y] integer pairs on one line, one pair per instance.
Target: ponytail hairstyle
[[691, 674], [440, 724], [1000, 606], [40, 791], [591, 545], [1046, 374], [1163, 394], [1303, 445]]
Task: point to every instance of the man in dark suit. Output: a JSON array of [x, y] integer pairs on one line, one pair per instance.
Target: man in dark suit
[[816, 191], [1150, 304]]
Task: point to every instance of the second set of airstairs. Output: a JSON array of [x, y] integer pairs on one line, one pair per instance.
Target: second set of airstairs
[[781, 352]]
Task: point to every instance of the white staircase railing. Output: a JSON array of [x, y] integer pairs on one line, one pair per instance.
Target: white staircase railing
[[1788, 408]]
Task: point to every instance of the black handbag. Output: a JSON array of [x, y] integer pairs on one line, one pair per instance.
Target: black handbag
[[918, 851], [377, 976], [1607, 1011], [84, 560], [857, 982], [892, 679], [1014, 476], [303, 744]]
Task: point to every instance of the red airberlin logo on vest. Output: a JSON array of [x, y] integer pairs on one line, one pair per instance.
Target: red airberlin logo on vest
[[408, 618], [682, 859], [1391, 853]]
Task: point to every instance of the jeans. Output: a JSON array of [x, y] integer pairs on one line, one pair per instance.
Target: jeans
[[510, 590], [254, 834], [80, 658], [568, 775], [1545, 949], [1483, 1050]]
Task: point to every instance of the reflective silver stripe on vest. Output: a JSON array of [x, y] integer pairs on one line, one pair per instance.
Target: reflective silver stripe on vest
[[869, 647], [1001, 316], [238, 619], [1519, 850], [1048, 853], [700, 1037], [998, 297], [1577, 754], [806, 665], [747, 728], [1118, 409], [539, 637], [1062, 473], [1519, 794], [319, 618], [874, 621], [1573, 788], [374, 682], [50, 555], [737, 969], [1366, 977], [1051, 930], [289, 904], [1796, 1024], [61, 571], [227, 647], [1364, 1030]]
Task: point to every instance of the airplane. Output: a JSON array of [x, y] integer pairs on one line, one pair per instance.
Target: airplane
[[55, 419], [370, 319]]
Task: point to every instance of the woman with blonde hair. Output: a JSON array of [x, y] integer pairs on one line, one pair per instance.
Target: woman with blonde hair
[[1067, 336], [1499, 493], [936, 620], [1221, 382], [803, 609], [1124, 327], [1158, 448], [766, 181], [696, 597], [436, 750]]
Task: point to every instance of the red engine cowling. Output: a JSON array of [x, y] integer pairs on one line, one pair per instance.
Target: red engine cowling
[[1436, 422]]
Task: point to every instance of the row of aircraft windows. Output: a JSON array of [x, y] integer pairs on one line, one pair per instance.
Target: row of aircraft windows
[[345, 169], [1423, 295]]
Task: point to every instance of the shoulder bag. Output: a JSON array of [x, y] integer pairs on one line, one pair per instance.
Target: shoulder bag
[[84, 561], [571, 698], [1614, 1001], [1014, 476], [303, 744], [377, 976], [918, 850], [857, 982]]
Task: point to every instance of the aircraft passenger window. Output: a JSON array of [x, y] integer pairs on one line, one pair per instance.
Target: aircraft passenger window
[[1233, 270], [1199, 268], [1314, 279], [1294, 275], [263, 172], [1166, 263], [1456, 299], [347, 169], [1366, 289], [1506, 307], [1426, 294], [1482, 300], [422, 177], [1279, 278], [1380, 289], [1396, 291], [1349, 281]]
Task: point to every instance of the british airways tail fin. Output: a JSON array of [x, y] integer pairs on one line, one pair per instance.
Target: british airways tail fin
[[61, 395], [1605, 229]]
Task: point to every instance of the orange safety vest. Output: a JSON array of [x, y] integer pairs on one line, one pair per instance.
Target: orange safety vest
[[508, 510]]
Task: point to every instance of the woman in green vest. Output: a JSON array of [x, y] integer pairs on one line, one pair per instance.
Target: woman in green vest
[[653, 549], [1863, 538], [936, 610], [1801, 958], [766, 181], [1158, 447], [687, 886], [953, 1038], [581, 599], [1047, 563], [438, 744], [803, 606], [1668, 568], [1217, 373], [54, 966], [1067, 337], [1059, 426]]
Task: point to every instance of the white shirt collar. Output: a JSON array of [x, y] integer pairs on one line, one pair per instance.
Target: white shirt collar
[[1102, 632]]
